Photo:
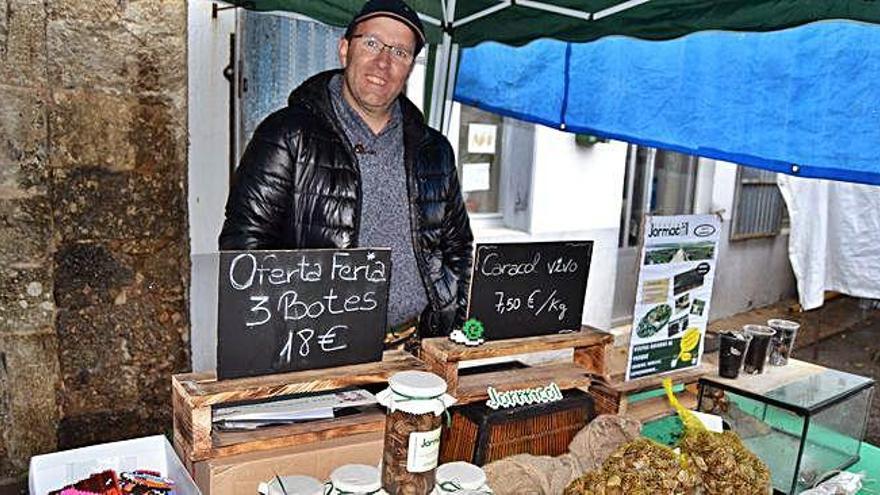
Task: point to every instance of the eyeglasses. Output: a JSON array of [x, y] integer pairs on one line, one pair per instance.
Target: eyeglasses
[[376, 46]]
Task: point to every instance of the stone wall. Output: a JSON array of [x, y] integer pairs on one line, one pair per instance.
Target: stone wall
[[94, 258]]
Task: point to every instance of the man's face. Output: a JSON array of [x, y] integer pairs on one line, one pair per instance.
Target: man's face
[[375, 80]]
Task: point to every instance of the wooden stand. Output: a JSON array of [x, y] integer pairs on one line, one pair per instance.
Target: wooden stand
[[194, 394], [613, 396], [442, 356]]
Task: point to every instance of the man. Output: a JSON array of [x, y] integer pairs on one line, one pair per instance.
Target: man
[[350, 162]]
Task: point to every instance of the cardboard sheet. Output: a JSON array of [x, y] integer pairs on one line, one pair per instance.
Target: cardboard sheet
[[242, 474]]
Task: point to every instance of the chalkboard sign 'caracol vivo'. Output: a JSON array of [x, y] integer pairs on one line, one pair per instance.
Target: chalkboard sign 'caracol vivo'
[[296, 310], [526, 289]]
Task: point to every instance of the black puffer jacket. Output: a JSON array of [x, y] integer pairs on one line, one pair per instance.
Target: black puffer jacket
[[298, 186]]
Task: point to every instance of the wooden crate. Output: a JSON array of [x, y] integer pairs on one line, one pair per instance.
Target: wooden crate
[[613, 396], [194, 395], [442, 356], [479, 434]]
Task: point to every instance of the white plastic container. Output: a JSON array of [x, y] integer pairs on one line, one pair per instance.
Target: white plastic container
[[292, 485], [460, 478], [53, 471], [354, 479]]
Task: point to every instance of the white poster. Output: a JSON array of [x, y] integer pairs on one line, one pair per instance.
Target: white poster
[[475, 177], [675, 286], [481, 138]]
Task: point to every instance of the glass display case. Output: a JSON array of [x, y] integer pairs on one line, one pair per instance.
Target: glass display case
[[803, 420]]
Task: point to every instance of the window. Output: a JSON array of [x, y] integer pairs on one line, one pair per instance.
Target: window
[[479, 146], [759, 210], [657, 182], [279, 52], [495, 159]]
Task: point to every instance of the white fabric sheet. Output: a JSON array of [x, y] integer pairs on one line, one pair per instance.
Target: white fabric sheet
[[835, 238]]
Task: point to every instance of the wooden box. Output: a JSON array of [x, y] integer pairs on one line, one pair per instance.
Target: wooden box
[[442, 356], [195, 394], [480, 434], [614, 395]]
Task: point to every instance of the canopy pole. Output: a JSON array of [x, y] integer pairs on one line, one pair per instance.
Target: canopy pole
[[451, 75], [445, 70], [438, 96], [618, 8], [429, 19], [483, 13], [578, 14], [442, 63]]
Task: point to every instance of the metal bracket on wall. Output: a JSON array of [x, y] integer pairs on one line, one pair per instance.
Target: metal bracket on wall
[[230, 73], [215, 8]]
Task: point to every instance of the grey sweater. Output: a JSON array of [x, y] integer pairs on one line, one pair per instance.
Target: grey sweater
[[385, 214]]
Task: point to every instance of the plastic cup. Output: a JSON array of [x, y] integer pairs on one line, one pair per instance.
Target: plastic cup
[[731, 353], [783, 342], [756, 355]]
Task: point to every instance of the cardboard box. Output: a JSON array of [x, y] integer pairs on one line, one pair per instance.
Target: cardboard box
[[53, 471], [241, 474]]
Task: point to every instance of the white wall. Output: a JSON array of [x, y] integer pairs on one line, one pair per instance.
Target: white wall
[[208, 122], [208, 54], [751, 273], [576, 187]]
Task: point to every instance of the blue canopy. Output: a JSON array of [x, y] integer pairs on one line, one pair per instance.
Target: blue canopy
[[804, 101]]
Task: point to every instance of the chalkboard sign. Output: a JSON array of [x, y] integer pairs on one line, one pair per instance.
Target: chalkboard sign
[[295, 310], [525, 289]]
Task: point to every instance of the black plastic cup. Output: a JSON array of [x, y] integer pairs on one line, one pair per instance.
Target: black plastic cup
[[731, 353], [756, 355]]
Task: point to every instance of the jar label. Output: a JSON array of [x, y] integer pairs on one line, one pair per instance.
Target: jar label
[[423, 451]]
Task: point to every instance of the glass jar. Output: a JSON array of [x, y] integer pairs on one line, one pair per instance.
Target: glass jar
[[416, 401], [354, 479], [460, 478]]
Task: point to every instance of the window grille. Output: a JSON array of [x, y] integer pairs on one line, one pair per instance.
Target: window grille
[[759, 209]]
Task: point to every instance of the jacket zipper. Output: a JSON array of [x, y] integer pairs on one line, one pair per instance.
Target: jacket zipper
[[355, 238], [415, 229]]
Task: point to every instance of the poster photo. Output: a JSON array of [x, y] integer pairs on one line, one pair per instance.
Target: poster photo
[[676, 274]]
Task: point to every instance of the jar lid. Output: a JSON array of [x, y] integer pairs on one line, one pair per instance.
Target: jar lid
[[464, 474], [298, 485], [356, 478], [784, 324], [419, 384]]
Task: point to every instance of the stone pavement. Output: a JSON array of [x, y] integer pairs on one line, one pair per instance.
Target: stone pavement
[[857, 351]]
